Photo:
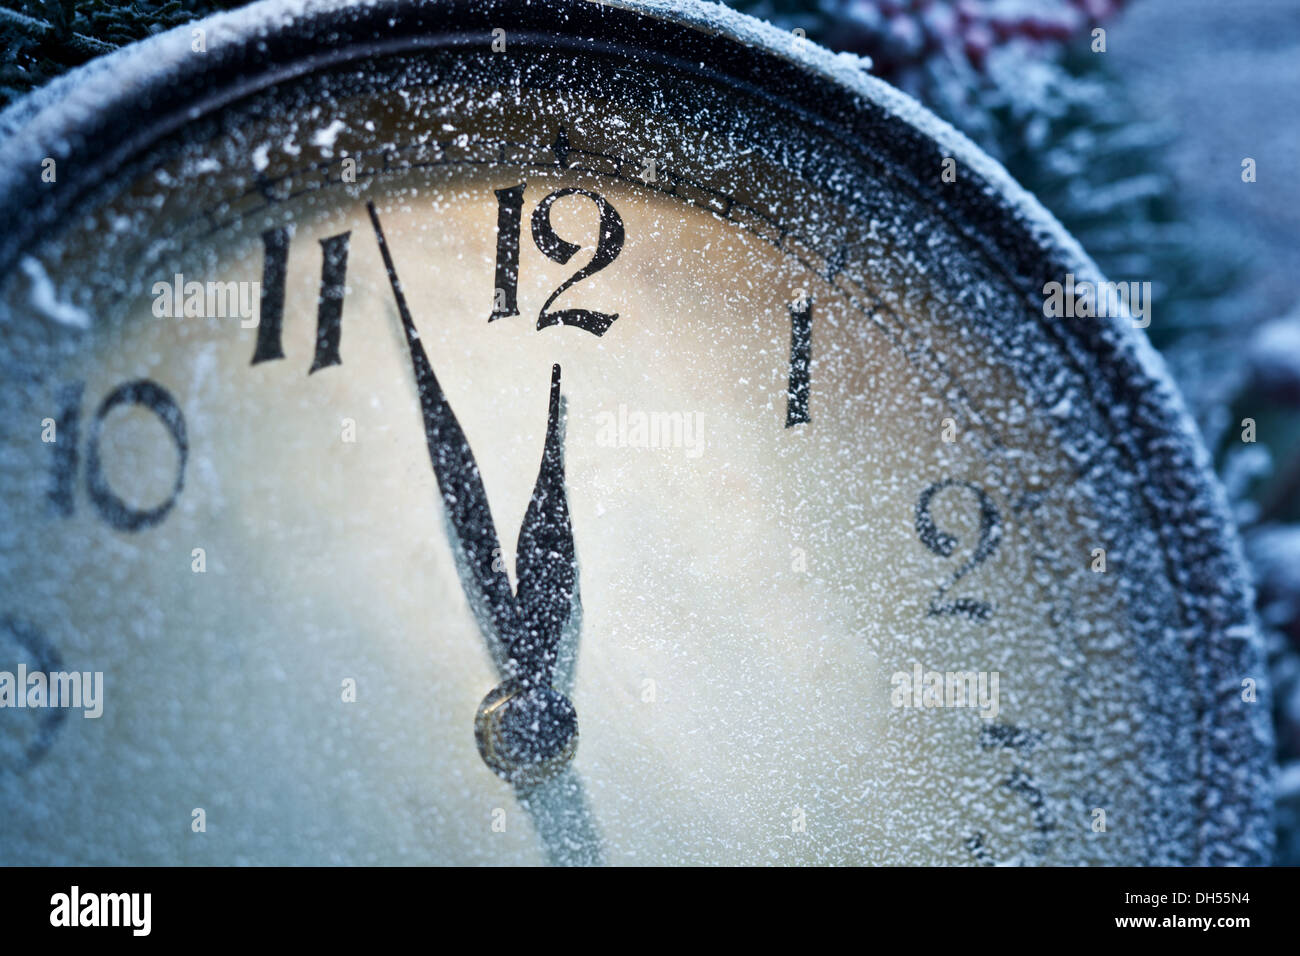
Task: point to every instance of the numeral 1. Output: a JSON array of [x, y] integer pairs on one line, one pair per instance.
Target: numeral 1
[[275, 259], [329, 308], [510, 217], [63, 472], [796, 409]]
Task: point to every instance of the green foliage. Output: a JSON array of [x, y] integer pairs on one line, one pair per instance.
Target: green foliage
[[42, 38], [1076, 140]]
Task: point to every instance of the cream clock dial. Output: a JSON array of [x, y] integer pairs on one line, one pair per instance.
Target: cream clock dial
[[583, 433]]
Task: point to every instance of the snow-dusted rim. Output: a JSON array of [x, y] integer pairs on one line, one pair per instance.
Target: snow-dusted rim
[[97, 117]]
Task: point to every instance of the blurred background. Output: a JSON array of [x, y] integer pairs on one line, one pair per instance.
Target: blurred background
[[1134, 137]]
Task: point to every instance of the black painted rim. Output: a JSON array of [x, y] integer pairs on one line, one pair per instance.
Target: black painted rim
[[100, 116]]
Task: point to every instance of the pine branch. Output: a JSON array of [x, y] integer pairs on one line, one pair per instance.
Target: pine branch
[[32, 27], [40, 39]]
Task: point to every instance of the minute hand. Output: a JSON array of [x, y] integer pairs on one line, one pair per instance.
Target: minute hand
[[526, 729], [457, 473]]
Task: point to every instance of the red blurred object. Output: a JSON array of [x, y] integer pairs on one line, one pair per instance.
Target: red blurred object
[[904, 36]]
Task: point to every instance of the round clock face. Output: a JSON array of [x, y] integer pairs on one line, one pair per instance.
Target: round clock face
[[505, 449]]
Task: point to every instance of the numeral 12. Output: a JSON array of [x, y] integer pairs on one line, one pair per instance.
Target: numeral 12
[[510, 204]]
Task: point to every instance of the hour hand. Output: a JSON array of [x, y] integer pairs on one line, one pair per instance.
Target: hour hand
[[545, 564], [526, 730]]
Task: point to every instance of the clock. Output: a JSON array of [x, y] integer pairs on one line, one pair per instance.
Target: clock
[[577, 433]]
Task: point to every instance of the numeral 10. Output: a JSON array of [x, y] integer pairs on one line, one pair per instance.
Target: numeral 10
[[66, 430]]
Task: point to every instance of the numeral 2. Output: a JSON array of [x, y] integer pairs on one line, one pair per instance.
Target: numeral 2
[[944, 544]]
